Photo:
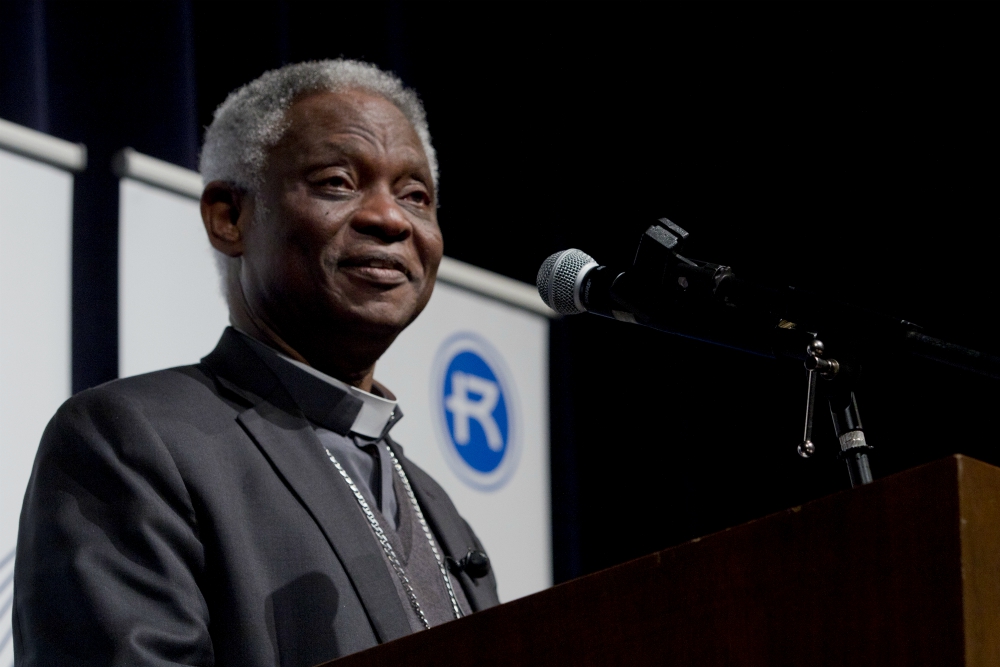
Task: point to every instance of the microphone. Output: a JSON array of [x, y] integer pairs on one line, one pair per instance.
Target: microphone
[[560, 280], [703, 301], [572, 282], [475, 563], [694, 299]]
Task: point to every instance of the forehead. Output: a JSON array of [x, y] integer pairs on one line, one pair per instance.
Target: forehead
[[350, 117]]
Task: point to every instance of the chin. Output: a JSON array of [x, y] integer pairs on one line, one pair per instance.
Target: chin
[[377, 318], [378, 313]]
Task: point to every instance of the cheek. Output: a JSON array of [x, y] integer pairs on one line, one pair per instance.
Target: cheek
[[430, 243], [292, 253], [314, 232]]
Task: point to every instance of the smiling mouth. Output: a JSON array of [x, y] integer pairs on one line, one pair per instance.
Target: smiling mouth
[[381, 269]]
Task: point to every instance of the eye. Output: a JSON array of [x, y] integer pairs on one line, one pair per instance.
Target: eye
[[332, 181], [336, 181], [417, 196]]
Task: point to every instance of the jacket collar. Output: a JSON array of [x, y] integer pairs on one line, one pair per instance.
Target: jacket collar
[[280, 430]]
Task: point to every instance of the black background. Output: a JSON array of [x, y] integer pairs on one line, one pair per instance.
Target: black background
[[847, 148]]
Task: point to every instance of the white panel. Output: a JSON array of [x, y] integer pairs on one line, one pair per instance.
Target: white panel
[[490, 284], [35, 242], [129, 163], [508, 508], [171, 309], [31, 143]]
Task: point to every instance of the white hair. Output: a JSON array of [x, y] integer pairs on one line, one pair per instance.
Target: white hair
[[252, 120]]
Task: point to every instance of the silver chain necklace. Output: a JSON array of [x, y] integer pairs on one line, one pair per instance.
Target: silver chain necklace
[[390, 553]]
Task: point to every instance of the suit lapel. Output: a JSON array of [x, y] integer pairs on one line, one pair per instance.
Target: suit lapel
[[289, 442], [450, 530]]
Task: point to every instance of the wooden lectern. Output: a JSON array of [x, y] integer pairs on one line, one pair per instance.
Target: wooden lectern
[[904, 571]]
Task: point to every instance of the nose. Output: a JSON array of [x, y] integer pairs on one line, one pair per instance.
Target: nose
[[381, 216]]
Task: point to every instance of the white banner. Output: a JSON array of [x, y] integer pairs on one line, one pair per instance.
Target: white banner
[[36, 202], [170, 306]]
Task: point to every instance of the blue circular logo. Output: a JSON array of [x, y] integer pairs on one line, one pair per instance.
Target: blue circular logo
[[476, 411]]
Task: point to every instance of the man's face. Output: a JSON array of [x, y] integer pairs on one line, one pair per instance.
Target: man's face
[[346, 232]]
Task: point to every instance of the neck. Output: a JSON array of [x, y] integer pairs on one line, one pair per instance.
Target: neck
[[305, 349]]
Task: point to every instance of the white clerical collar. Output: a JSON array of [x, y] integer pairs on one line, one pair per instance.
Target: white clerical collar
[[375, 410]]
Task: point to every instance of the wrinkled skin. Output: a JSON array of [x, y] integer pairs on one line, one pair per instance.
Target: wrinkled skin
[[340, 247]]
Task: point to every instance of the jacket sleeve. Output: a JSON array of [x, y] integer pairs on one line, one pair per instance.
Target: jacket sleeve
[[108, 555]]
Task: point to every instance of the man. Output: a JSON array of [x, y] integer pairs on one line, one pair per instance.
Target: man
[[252, 509]]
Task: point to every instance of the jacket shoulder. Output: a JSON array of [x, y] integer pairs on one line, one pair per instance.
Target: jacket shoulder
[[181, 379], [194, 382], [184, 395]]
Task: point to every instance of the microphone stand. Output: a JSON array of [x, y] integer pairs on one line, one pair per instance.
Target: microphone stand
[[704, 301], [853, 447], [843, 405]]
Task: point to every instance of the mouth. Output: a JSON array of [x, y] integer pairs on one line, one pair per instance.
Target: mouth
[[379, 268]]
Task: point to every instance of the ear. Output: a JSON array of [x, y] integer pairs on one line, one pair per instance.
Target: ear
[[226, 212]]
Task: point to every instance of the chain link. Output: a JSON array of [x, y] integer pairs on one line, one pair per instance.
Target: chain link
[[390, 553], [442, 567]]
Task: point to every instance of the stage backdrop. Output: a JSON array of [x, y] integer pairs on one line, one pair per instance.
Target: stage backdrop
[[36, 197], [471, 373], [170, 305]]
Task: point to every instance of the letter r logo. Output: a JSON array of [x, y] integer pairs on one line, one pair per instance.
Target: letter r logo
[[475, 411], [474, 397]]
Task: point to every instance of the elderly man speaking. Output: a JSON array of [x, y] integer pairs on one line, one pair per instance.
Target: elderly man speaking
[[252, 509]]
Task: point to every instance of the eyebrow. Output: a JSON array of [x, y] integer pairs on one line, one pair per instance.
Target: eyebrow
[[414, 162]]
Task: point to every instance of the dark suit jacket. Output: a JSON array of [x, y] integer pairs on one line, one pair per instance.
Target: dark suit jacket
[[190, 517]]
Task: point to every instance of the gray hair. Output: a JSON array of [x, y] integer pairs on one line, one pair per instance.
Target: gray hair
[[252, 119]]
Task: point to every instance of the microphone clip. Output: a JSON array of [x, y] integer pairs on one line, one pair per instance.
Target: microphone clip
[[659, 266], [476, 564]]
